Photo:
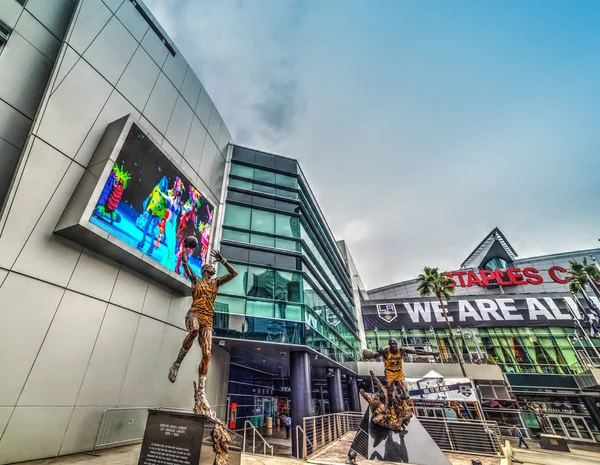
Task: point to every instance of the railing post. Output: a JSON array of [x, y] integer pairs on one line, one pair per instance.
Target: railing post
[[322, 431], [253, 439], [315, 445], [244, 443], [449, 436], [304, 445]]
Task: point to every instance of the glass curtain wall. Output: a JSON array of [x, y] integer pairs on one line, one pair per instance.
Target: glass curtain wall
[[515, 350], [279, 304]]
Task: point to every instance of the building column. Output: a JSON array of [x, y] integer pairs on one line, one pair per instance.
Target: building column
[[592, 408], [353, 399], [334, 389], [301, 393]]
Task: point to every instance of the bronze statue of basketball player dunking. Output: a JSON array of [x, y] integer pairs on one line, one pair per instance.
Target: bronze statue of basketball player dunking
[[199, 319]]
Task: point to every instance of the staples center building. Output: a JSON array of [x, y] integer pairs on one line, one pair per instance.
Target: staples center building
[[518, 314]]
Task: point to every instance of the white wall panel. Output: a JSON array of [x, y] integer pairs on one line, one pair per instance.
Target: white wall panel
[[91, 18], [157, 302], [114, 4], [34, 432], [106, 371], [132, 20], [216, 180], [161, 103], [19, 58], [38, 36], [164, 391], [111, 50], [139, 79], [204, 107], [27, 309], [116, 107], [207, 163], [224, 139], [137, 387], [66, 60], [73, 108], [5, 412], [180, 394], [179, 126], [191, 88], [45, 255], [195, 144], [171, 152], [157, 136], [14, 126], [10, 12], [155, 48], [218, 376], [214, 126], [130, 290], [54, 15], [82, 430], [178, 308], [40, 178], [175, 68], [58, 371], [94, 275]]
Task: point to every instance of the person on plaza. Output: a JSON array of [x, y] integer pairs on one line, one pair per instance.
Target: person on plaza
[[519, 434], [288, 426], [392, 362], [199, 318]]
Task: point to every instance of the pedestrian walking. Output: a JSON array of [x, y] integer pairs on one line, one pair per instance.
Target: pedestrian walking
[[288, 426], [519, 435]]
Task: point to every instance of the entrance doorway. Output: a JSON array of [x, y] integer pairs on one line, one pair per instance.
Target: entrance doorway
[[570, 427]]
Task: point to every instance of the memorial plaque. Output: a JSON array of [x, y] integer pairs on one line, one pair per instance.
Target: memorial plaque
[[172, 438]]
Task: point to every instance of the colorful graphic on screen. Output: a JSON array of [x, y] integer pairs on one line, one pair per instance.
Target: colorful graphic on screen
[[147, 203]]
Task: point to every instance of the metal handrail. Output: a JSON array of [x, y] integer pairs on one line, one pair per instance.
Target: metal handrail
[[324, 429], [106, 434], [298, 430], [254, 433]]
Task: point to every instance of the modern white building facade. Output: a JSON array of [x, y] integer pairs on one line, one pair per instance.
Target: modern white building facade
[[80, 333]]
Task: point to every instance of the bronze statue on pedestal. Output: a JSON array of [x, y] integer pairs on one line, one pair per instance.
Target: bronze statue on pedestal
[[389, 408], [199, 320]]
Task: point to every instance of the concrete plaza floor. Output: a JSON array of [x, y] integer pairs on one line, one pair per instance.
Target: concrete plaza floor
[[335, 454]]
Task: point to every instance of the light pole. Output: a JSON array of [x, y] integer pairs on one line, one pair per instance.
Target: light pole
[[462, 336], [470, 335], [432, 332], [578, 323]]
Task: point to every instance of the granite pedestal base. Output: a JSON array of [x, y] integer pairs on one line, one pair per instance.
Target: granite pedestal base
[[175, 438], [413, 445]]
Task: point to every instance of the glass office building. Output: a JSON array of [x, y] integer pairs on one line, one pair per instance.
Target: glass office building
[[293, 296], [293, 285], [547, 353]]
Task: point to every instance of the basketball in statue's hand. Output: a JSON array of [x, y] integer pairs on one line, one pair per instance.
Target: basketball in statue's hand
[[191, 242]]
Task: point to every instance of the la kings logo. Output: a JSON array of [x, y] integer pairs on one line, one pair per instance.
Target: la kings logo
[[387, 312]]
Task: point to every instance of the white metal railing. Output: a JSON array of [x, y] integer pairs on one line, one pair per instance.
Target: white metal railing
[[119, 426], [482, 437], [254, 433], [318, 431]]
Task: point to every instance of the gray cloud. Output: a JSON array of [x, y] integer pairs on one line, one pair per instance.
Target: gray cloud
[[418, 132], [280, 108]]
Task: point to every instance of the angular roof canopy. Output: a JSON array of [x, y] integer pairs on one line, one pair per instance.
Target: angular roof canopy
[[477, 256]]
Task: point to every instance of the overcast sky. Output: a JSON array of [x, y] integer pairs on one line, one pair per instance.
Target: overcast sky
[[420, 125]]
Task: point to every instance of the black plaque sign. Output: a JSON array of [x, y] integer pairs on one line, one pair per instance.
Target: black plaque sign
[[172, 438]]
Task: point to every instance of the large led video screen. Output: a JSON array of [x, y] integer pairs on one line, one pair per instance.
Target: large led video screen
[[149, 204]]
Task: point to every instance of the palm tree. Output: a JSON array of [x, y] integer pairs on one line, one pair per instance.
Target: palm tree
[[431, 281], [580, 274]]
